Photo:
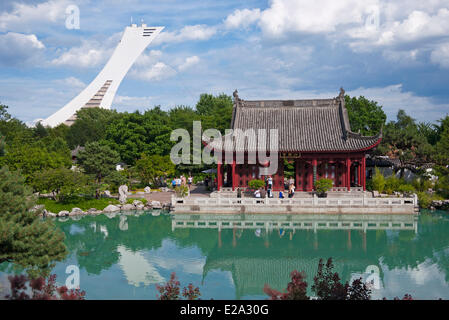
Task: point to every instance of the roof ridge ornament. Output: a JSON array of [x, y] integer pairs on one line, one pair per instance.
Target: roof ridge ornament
[[342, 92]]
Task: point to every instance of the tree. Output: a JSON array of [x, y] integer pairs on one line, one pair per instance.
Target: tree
[[215, 111], [171, 290], [98, 160], [150, 168], [378, 181], [41, 289], [25, 239], [296, 288], [29, 158], [364, 115], [90, 125], [442, 146], [326, 283], [60, 182], [403, 141], [135, 133]]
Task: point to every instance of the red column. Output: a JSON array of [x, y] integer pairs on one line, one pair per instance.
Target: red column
[[314, 172], [364, 173], [297, 176], [234, 176], [348, 173], [219, 176], [310, 177]]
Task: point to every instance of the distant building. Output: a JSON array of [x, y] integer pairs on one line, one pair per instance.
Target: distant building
[[101, 91]]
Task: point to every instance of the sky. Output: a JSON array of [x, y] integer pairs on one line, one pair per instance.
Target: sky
[[393, 52]]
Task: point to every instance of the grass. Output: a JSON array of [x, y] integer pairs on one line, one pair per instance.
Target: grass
[[82, 203]]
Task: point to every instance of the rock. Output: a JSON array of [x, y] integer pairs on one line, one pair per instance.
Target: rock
[[63, 213], [140, 206], [123, 193], [147, 190], [137, 202], [51, 214], [107, 193], [156, 205], [111, 208], [148, 207], [38, 207], [128, 207], [93, 211], [76, 211]]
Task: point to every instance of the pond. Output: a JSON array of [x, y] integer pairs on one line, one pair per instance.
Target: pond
[[123, 256]]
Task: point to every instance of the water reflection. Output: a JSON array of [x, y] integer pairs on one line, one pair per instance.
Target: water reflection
[[233, 256]]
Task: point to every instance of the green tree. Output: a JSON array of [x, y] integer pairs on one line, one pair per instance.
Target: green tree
[[60, 182], [364, 115], [150, 168], [29, 158], [90, 125], [402, 140], [26, 240], [135, 133], [442, 146], [378, 181], [215, 111], [98, 160]]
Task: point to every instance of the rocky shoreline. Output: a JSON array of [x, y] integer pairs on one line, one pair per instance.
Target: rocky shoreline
[[136, 205], [439, 205]]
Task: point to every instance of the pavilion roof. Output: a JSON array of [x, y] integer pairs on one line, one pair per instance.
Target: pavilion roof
[[303, 125]]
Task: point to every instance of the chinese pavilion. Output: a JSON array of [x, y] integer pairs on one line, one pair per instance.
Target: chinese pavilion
[[314, 136]]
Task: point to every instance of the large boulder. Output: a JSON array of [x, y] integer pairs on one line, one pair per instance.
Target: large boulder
[[137, 202], [156, 205], [93, 211], [147, 190], [111, 208], [63, 213], [107, 194], [140, 206], [51, 214], [128, 207], [76, 211]]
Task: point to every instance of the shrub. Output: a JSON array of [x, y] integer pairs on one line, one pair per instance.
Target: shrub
[[424, 200], [182, 191], [392, 184], [171, 290], [406, 189], [256, 184], [131, 200], [296, 289], [378, 181], [323, 185]]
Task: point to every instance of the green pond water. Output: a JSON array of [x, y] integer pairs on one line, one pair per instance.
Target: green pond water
[[123, 256]]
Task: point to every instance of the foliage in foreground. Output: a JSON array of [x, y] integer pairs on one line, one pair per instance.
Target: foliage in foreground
[[172, 291], [326, 286], [26, 240], [41, 289]]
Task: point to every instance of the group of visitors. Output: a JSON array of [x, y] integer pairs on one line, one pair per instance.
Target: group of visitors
[[261, 193], [182, 181]]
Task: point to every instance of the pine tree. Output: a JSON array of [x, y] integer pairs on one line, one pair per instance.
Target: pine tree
[[25, 239]]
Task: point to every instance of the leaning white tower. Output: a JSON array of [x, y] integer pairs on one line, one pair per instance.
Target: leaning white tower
[[101, 91]]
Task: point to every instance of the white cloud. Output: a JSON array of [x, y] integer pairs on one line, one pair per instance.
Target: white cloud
[[71, 82], [26, 17], [242, 18], [125, 102], [441, 55], [91, 53], [18, 48], [189, 62], [156, 72], [196, 32], [393, 98]]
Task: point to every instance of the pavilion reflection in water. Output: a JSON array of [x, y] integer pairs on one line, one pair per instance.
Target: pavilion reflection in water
[[291, 242]]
